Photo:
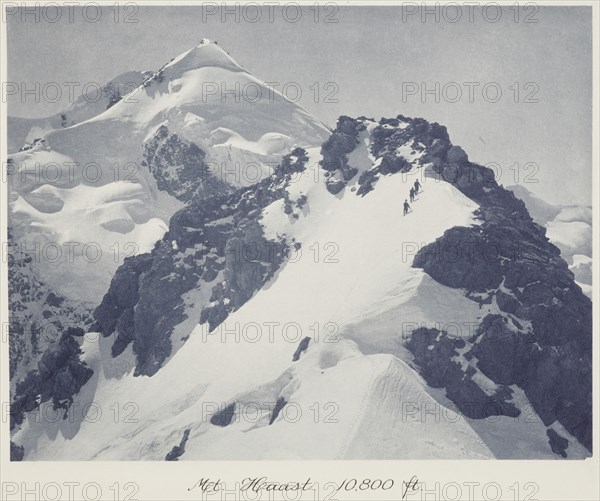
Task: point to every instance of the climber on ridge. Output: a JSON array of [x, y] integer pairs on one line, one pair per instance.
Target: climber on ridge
[[412, 195], [417, 187], [406, 207]]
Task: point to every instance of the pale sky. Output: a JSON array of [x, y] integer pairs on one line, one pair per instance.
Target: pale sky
[[369, 56]]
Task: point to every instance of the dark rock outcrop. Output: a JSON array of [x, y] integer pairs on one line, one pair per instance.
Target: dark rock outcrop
[[178, 450], [178, 167], [434, 351], [506, 365], [558, 444], [225, 416], [456, 155], [342, 141], [54, 300], [507, 255], [386, 138], [279, 405], [17, 452], [123, 293], [60, 375], [215, 244], [392, 133], [38, 315], [302, 347]]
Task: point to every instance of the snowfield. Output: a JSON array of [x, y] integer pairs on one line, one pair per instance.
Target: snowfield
[[353, 394]]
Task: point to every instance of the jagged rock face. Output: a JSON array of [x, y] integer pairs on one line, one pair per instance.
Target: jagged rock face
[[504, 366], [422, 135], [387, 137], [342, 141], [117, 308], [178, 167], [543, 340], [38, 315], [436, 354], [431, 139], [44, 360], [248, 256], [60, 375], [217, 237]]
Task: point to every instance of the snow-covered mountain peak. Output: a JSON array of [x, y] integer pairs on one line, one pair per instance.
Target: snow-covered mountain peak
[[187, 131], [205, 54]]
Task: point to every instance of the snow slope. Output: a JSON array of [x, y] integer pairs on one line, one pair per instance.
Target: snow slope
[[87, 190], [352, 394], [92, 100], [370, 239]]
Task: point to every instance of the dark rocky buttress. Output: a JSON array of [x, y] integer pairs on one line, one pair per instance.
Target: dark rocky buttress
[[178, 167], [216, 244], [542, 339]]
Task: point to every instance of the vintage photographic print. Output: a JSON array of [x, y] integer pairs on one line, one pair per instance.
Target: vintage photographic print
[[287, 233]]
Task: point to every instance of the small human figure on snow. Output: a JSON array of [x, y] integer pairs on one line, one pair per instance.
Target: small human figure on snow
[[412, 195], [406, 207], [417, 187]]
